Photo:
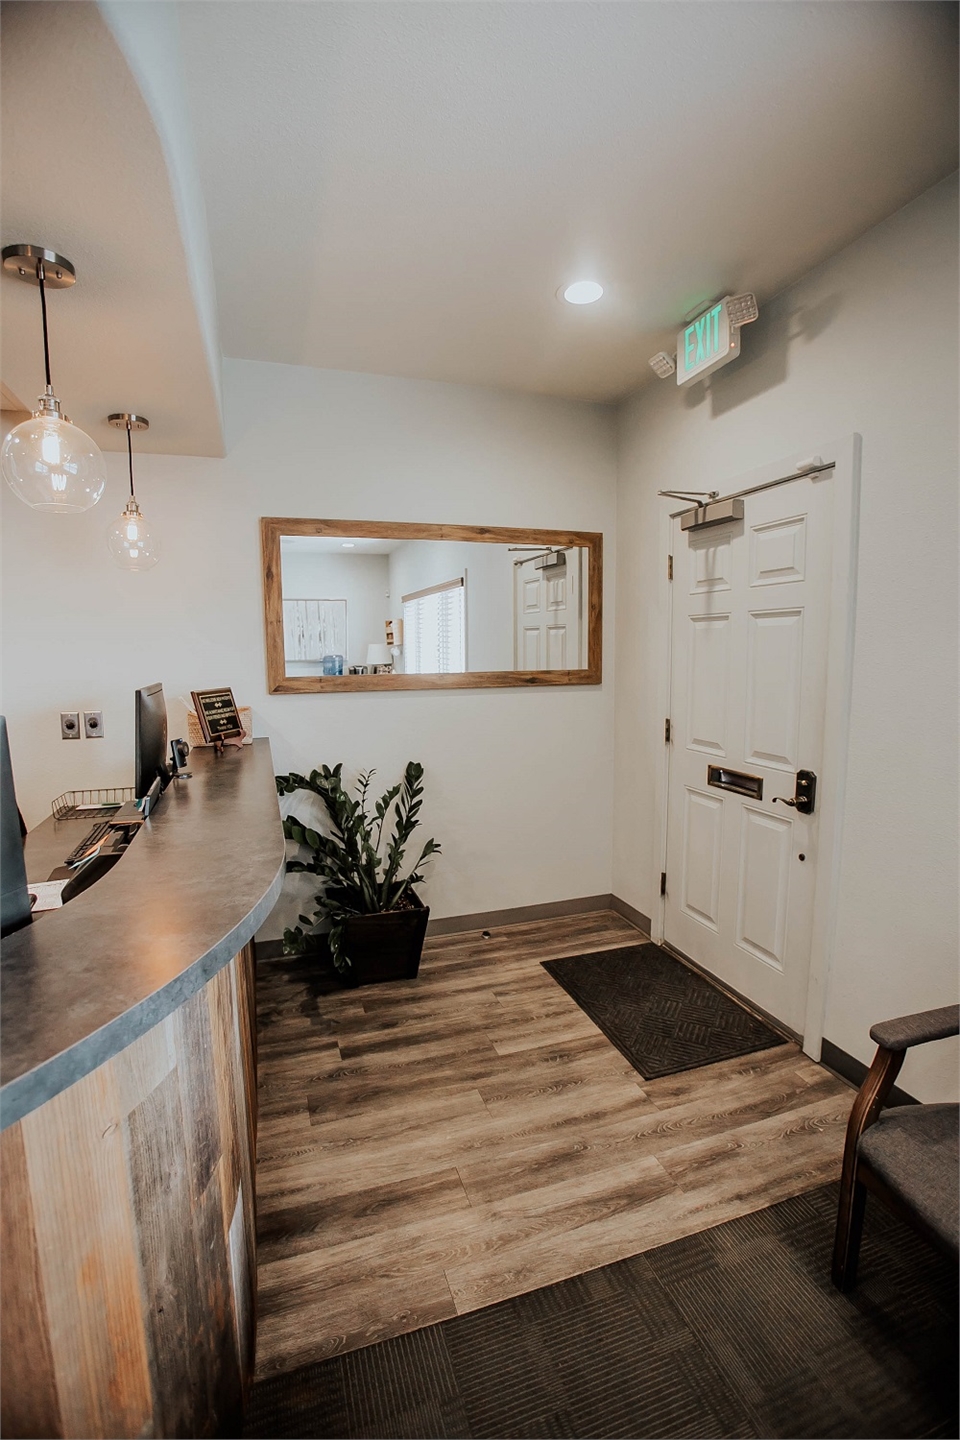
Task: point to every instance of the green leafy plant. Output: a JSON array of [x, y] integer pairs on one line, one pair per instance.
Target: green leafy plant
[[359, 879]]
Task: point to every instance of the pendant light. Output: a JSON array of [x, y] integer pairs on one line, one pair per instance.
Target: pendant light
[[130, 541], [49, 463]]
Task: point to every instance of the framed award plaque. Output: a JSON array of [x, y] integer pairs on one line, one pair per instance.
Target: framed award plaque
[[218, 715]]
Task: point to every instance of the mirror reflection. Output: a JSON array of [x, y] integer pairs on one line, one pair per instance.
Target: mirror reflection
[[361, 605]]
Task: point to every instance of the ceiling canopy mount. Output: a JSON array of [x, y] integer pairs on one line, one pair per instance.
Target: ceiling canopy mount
[[33, 263]]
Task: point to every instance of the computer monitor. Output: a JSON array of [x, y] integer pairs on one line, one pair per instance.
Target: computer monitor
[[14, 899], [151, 740]]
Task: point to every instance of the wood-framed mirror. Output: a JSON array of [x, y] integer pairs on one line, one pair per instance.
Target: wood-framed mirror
[[384, 605]]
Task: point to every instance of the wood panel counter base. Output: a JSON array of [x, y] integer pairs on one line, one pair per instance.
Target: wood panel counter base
[[128, 1235]]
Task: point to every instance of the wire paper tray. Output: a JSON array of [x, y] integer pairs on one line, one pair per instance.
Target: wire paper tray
[[92, 804]]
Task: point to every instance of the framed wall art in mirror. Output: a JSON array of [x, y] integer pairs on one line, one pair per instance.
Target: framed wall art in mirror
[[383, 605]]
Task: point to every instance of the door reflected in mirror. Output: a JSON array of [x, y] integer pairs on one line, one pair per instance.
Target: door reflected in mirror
[[421, 607]]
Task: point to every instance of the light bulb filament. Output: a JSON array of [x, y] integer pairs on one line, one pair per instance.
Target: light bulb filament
[[50, 447]]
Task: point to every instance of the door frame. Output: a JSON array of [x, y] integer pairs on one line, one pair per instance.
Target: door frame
[[844, 456]]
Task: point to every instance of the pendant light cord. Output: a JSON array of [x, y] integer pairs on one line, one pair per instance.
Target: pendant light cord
[[43, 311], [130, 461]]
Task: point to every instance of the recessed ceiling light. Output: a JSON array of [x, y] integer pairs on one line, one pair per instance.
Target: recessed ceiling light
[[347, 545], [583, 292]]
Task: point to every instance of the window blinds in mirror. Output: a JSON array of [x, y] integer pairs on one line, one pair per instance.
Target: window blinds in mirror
[[434, 630]]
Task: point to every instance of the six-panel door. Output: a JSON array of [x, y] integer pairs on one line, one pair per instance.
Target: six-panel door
[[748, 677]]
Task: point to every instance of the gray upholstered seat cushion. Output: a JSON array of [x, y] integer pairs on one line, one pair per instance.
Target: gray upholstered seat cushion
[[915, 1150]]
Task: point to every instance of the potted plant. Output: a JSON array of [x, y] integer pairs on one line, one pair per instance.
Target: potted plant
[[377, 921]]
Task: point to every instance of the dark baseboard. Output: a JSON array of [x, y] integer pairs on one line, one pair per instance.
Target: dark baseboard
[[495, 919], [854, 1071], [636, 917], [519, 915]]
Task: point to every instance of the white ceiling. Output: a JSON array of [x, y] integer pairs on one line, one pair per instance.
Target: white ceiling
[[402, 187], [83, 174], [334, 545]]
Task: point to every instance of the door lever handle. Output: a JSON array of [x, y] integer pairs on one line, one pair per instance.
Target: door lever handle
[[805, 799]]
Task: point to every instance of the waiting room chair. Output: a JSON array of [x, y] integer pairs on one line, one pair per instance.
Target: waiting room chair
[[909, 1157]]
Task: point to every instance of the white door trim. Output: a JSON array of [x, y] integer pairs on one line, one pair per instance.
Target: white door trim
[[844, 455]]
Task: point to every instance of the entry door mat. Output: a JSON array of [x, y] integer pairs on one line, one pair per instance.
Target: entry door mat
[[662, 1016], [736, 1331]]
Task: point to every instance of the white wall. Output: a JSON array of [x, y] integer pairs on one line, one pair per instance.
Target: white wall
[[866, 343], [361, 580], [81, 633]]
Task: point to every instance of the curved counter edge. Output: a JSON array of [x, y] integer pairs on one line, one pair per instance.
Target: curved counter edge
[[19, 1097], [231, 804]]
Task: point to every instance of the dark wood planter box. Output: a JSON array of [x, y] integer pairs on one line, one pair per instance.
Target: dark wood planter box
[[385, 946]]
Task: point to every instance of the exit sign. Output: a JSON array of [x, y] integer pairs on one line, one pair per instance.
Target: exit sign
[[707, 343]]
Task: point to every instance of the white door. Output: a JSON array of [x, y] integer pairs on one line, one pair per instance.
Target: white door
[[750, 602], [547, 632]]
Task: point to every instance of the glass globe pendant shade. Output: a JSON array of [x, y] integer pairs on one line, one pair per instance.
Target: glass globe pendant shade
[[130, 541], [51, 464]]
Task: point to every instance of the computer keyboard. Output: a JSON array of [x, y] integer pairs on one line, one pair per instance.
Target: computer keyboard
[[90, 843]]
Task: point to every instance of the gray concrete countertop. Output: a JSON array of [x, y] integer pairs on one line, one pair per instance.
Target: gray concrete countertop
[[81, 983]]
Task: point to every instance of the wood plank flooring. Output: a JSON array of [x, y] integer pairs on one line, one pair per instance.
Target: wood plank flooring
[[428, 1147]]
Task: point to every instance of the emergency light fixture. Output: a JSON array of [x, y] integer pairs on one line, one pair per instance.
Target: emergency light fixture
[[709, 341]]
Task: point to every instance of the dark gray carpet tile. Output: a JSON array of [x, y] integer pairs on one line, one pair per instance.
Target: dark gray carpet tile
[[903, 1263], [579, 1291], [382, 1381], [902, 1280], [806, 1410], [670, 1264], [662, 1016], [435, 1420], [807, 1360], [308, 1401], [877, 1392], [762, 1320], [652, 1300], [555, 1426], [733, 1332], [663, 1388], [504, 1346], [795, 1215]]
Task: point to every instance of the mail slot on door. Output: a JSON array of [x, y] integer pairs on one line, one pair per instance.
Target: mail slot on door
[[736, 781]]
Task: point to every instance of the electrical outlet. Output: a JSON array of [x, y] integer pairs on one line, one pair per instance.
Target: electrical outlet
[[69, 724], [93, 724]]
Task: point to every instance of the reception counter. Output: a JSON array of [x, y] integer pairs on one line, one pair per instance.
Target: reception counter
[[128, 1107]]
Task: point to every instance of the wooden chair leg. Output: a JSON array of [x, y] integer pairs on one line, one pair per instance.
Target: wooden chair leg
[[866, 1107], [846, 1248]]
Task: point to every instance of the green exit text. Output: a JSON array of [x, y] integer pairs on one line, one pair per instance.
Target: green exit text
[[701, 339]]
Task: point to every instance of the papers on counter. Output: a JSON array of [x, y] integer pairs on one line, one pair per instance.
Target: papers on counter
[[47, 893]]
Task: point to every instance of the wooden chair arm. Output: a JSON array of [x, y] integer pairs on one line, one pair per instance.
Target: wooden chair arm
[[871, 1097]]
